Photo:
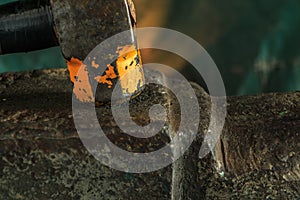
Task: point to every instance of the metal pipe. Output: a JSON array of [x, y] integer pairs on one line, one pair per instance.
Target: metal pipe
[[26, 26]]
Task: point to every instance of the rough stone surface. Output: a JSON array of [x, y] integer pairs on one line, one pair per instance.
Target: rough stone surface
[[42, 156], [257, 156]]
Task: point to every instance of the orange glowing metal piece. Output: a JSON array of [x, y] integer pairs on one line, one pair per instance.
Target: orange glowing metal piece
[[79, 76], [82, 88], [73, 66], [106, 79], [95, 65], [128, 70]]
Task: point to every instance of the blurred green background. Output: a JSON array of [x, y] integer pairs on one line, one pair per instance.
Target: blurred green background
[[6, 1], [255, 43]]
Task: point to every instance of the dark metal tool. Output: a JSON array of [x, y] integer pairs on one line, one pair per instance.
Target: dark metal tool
[[77, 26], [26, 26]]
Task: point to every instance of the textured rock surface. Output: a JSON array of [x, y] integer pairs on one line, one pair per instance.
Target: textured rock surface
[[42, 156], [257, 157]]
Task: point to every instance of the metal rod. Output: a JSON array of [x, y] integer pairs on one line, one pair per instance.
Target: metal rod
[[26, 26]]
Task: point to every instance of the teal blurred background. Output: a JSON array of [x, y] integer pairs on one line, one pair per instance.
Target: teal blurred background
[[6, 1], [255, 43], [48, 58]]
